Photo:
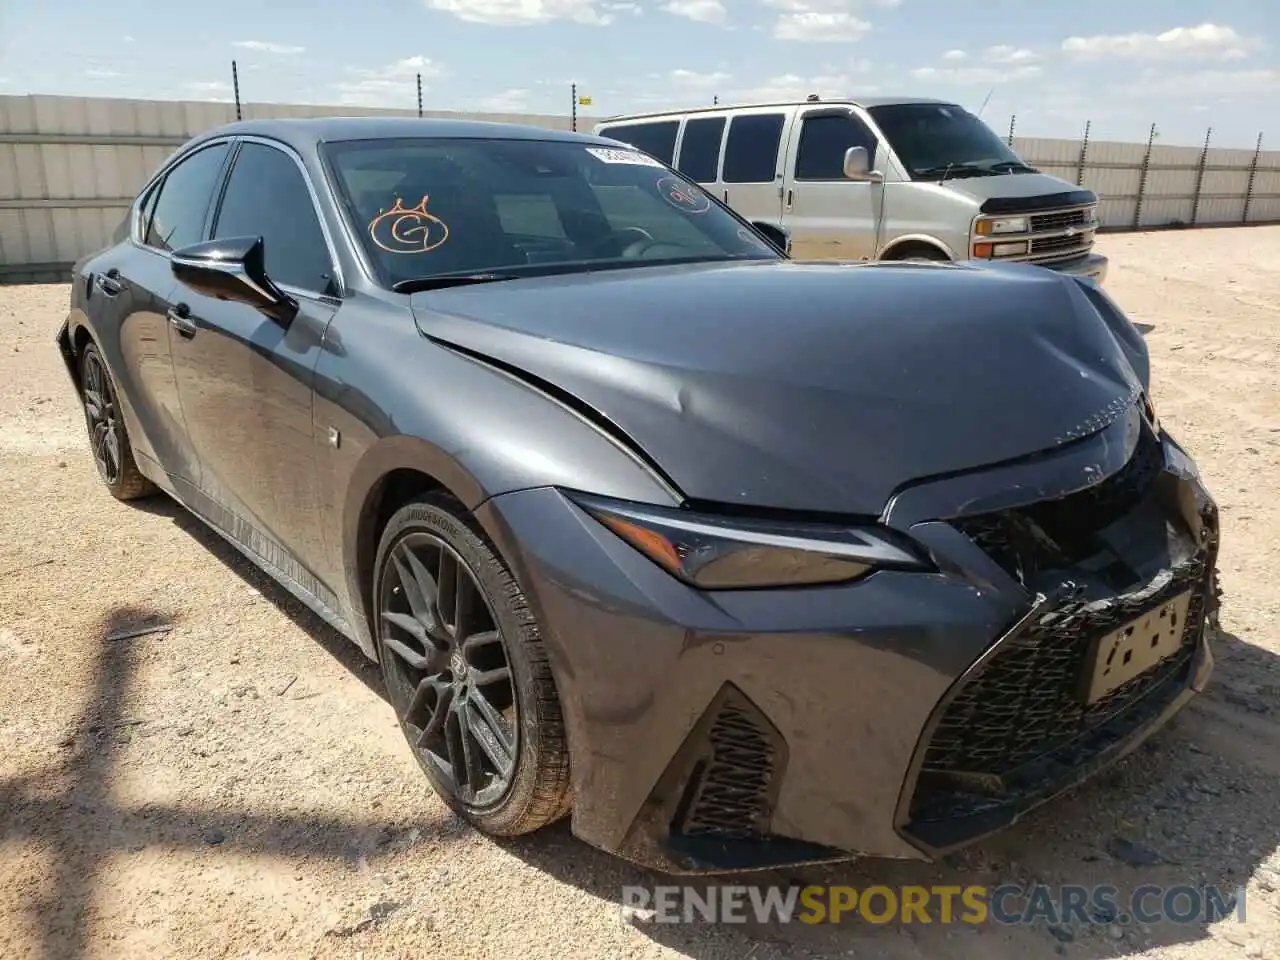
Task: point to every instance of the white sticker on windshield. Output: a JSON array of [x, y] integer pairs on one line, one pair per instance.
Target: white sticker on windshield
[[633, 157]]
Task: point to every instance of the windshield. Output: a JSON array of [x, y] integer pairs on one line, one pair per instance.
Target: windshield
[[430, 207], [937, 139]]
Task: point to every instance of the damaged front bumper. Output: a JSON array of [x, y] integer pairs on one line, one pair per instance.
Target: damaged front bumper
[[902, 715]]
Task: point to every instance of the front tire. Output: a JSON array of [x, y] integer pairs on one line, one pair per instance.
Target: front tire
[[108, 438], [466, 671]]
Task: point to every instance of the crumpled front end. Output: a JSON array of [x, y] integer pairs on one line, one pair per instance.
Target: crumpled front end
[[901, 715]]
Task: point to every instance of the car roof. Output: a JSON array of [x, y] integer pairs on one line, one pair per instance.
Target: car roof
[[855, 101], [303, 133]]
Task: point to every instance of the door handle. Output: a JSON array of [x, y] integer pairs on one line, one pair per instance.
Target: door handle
[[179, 318], [109, 282], [790, 197]]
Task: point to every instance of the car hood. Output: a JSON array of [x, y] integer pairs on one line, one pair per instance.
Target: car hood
[[820, 387], [1016, 192]]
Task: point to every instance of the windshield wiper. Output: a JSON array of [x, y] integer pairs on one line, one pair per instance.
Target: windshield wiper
[[444, 281], [949, 170], [1012, 166]]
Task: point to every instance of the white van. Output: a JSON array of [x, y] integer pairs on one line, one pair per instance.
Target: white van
[[884, 178]]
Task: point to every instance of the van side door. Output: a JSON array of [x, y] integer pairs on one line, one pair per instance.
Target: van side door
[[830, 217], [751, 172], [700, 149]]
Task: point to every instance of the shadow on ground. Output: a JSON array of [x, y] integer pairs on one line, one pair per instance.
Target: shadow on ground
[[63, 807]]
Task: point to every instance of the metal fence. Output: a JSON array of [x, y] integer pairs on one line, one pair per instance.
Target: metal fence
[[69, 166]]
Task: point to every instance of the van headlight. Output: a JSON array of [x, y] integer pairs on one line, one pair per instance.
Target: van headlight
[[996, 226]]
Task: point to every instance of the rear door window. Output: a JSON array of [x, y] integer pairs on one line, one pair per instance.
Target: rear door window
[[656, 139], [178, 216], [751, 151], [700, 149]]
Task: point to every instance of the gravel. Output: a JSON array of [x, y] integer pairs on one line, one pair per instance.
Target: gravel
[[194, 766]]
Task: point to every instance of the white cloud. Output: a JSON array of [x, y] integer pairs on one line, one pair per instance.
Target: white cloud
[[389, 86], [523, 13], [790, 86], [267, 46], [209, 89], [625, 6], [704, 11], [1003, 53], [954, 55], [509, 101], [692, 80], [1232, 84], [830, 21], [1208, 40], [968, 75], [99, 74]]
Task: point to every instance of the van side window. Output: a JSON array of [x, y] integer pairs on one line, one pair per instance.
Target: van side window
[[656, 139], [824, 138], [700, 149], [751, 153]]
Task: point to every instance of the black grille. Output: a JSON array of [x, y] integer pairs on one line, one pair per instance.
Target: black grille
[[728, 795], [1052, 534], [1025, 701], [1075, 244], [1059, 220]]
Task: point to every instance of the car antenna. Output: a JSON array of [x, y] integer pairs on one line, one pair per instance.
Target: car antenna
[[980, 109]]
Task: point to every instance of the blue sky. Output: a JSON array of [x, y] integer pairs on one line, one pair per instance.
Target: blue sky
[[1122, 63]]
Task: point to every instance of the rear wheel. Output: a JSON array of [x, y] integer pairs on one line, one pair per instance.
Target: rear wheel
[[467, 673], [108, 439]]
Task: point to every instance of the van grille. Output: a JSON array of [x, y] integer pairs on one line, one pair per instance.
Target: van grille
[[1062, 245], [1059, 220]]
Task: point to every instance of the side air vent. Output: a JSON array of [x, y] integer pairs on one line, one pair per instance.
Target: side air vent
[[729, 795]]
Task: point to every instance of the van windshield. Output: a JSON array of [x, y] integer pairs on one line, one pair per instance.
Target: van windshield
[[487, 208], [935, 140]]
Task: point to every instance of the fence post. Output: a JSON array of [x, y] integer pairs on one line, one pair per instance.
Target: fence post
[[1084, 153], [1204, 159], [235, 84], [573, 111], [1142, 179], [1013, 119], [419, 96], [1253, 175]]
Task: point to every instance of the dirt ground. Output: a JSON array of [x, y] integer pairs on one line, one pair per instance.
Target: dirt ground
[[237, 787]]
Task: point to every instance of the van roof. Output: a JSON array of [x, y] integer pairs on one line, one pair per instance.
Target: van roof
[[855, 101]]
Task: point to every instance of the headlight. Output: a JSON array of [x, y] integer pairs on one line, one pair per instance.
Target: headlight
[[1016, 249], [987, 228], [718, 553]]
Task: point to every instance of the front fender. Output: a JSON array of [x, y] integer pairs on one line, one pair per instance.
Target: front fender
[[452, 422]]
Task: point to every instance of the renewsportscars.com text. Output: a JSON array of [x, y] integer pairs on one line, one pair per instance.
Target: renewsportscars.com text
[[1005, 904]]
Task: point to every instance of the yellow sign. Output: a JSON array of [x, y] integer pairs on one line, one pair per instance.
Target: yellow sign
[[584, 101]]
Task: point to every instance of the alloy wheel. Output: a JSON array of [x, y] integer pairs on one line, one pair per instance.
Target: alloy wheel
[[448, 675], [104, 424]]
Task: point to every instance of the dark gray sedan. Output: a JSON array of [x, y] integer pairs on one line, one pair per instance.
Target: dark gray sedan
[[743, 561]]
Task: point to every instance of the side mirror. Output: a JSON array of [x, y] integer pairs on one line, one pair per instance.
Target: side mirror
[[779, 236], [232, 269], [857, 166]]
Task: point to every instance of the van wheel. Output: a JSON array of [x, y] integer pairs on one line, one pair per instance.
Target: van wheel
[[919, 252]]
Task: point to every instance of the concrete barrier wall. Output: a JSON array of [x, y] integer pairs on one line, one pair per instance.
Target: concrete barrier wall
[[69, 166]]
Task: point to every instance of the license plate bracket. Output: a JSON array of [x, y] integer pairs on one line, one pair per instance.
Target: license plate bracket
[[1117, 657]]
